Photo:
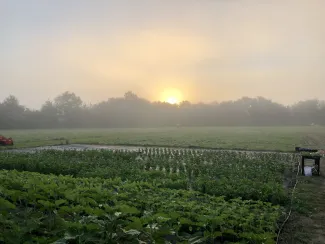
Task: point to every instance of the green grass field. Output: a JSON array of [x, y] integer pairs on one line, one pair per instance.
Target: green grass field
[[252, 138]]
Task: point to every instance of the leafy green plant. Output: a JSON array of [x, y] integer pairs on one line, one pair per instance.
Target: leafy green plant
[[150, 196], [247, 175], [87, 210]]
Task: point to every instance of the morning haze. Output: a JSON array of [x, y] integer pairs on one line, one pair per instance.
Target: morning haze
[[201, 51]]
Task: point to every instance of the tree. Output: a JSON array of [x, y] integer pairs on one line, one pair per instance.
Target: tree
[[11, 113], [49, 115], [130, 96], [67, 102], [69, 109], [307, 112]]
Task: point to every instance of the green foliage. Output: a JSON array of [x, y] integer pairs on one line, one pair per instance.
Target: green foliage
[[150, 196], [89, 210], [248, 175], [67, 110]]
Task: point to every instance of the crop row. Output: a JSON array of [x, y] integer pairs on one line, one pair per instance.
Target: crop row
[[47, 208], [229, 174]]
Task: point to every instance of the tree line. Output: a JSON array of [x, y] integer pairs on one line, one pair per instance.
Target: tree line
[[68, 110]]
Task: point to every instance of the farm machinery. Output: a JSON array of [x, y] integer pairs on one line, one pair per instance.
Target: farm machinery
[[4, 141]]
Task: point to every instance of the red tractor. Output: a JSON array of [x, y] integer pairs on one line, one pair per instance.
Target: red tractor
[[6, 141]]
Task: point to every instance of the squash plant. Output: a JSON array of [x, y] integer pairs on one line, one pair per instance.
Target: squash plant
[[64, 209]]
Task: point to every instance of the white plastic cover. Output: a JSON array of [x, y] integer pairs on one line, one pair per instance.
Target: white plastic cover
[[308, 171]]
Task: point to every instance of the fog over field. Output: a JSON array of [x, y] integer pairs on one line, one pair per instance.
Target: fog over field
[[200, 51], [161, 121]]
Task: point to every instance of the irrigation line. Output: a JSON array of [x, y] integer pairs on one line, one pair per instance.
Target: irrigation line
[[285, 221]]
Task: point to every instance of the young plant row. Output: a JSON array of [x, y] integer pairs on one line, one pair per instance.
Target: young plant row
[[250, 176], [39, 208]]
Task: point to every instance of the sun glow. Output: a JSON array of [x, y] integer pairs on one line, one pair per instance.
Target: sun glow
[[172, 100], [171, 96]]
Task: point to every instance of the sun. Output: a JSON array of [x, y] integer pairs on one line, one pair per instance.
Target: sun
[[171, 96], [172, 100]]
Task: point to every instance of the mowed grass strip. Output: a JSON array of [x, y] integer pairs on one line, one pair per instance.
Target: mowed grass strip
[[246, 138], [307, 221]]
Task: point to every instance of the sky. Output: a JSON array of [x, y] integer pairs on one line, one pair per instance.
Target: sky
[[196, 50]]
